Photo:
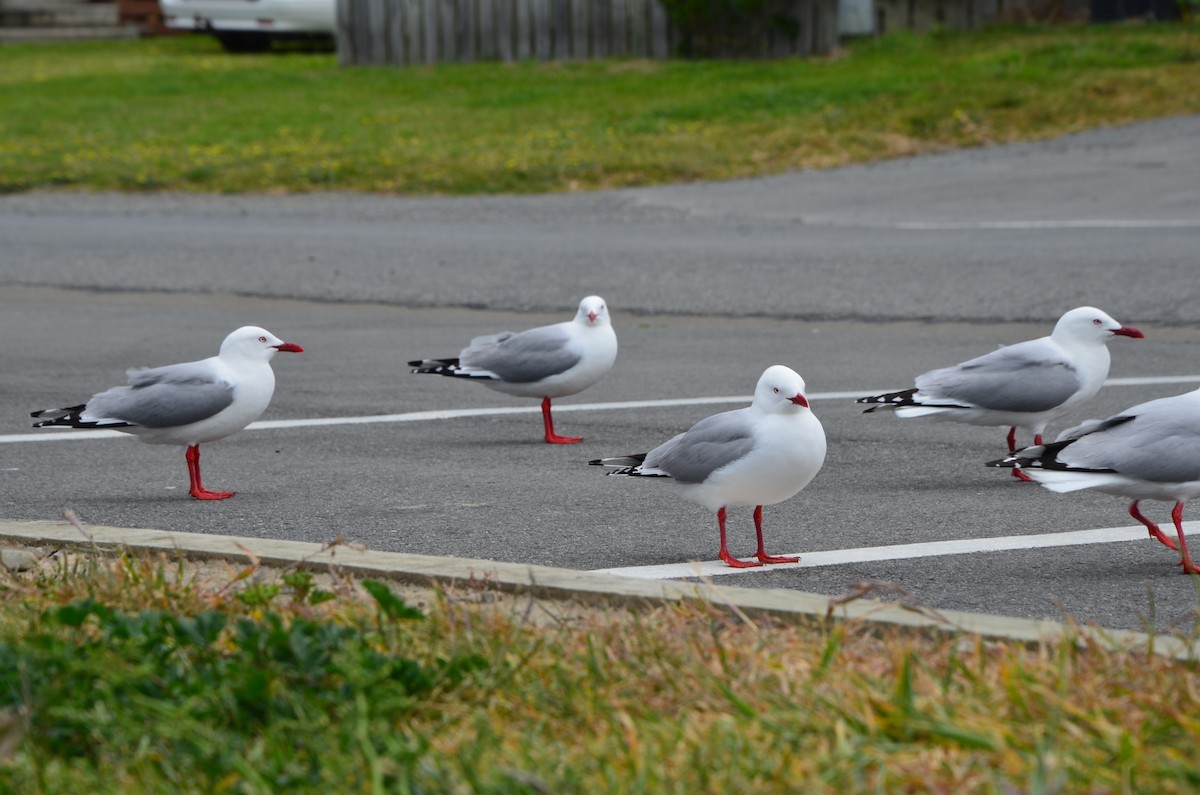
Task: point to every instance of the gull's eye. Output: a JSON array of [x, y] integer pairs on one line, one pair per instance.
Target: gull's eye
[[1096, 322], [262, 339], [775, 390]]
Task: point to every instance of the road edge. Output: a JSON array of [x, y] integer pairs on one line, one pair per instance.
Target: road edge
[[583, 586]]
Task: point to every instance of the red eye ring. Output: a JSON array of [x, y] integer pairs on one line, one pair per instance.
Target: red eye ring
[[262, 339]]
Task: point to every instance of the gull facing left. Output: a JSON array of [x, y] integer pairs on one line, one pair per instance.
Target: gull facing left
[[189, 403], [759, 455]]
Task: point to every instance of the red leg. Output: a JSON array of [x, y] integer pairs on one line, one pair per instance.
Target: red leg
[[725, 556], [1177, 518], [548, 421], [197, 489], [1037, 438], [1012, 448], [1151, 526], [762, 552]]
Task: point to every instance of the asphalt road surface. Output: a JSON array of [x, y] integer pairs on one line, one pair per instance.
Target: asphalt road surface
[[858, 278]]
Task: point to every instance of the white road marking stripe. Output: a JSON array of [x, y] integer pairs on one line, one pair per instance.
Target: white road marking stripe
[[1093, 223], [1151, 380], [69, 435], [839, 557]]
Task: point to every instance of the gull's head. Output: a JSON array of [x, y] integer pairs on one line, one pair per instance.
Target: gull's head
[[253, 342], [592, 311], [1089, 324], [780, 390]]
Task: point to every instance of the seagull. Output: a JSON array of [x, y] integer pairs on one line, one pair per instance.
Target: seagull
[[546, 362], [1025, 385], [1150, 451], [758, 455], [189, 403]]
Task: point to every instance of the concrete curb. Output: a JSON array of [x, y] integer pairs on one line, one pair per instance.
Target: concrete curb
[[584, 586]]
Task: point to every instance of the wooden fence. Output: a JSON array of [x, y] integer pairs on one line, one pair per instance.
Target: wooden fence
[[403, 32]]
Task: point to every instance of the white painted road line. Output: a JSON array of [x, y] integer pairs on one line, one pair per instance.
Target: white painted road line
[[840, 557], [68, 435], [1087, 223]]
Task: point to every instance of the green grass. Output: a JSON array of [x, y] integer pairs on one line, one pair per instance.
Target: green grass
[[131, 675], [179, 114]]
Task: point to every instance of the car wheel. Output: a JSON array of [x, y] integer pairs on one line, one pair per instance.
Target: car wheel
[[244, 41]]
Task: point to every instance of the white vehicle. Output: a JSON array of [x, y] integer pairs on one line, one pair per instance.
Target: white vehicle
[[251, 25]]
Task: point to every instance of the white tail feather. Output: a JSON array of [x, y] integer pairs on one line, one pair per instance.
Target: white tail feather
[[1064, 480], [919, 411]]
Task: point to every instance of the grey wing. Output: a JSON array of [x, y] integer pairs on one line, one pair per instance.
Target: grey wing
[[164, 397], [1029, 376], [1157, 441], [522, 358], [707, 446], [1084, 428]]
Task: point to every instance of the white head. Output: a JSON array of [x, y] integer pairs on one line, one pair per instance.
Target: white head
[[1089, 324], [592, 311], [780, 390], [252, 342]]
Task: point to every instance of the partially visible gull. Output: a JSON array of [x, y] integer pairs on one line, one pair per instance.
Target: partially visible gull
[[1148, 452]]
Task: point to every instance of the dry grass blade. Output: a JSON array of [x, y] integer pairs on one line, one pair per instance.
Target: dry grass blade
[[73, 518], [255, 562], [865, 588], [13, 727]]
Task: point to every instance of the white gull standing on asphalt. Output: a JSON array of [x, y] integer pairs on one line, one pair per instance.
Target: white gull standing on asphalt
[[1150, 451], [544, 362], [189, 403], [759, 455], [1026, 385]]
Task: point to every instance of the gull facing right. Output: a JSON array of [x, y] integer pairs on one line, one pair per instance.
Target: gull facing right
[[1026, 385], [1150, 451], [189, 403], [759, 455], [546, 362]]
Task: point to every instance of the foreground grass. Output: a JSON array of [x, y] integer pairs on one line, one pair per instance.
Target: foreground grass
[[129, 675], [179, 114]]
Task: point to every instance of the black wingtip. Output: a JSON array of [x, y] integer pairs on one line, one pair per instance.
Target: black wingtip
[[438, 366]]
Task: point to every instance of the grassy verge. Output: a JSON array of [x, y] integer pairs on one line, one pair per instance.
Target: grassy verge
[[179, 114], [140, 675]]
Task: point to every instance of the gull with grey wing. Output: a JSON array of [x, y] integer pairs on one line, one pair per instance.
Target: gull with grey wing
[[188, 403], [1149, 451], [547, 361], [759, 455], [1026, 385]]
